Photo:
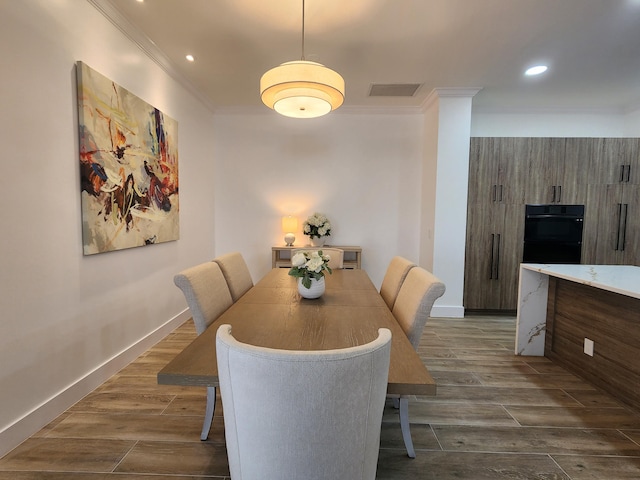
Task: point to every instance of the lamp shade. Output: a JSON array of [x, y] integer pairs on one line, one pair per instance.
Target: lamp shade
[[302, 89], [289, 224]]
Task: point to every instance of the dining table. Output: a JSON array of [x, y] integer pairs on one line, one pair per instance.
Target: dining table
[[273, 314]]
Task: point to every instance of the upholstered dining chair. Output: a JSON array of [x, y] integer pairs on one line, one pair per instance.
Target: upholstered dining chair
[[236, 273], [336, 255], [310, 415], [412, 308], [393, 279], [208, 296]]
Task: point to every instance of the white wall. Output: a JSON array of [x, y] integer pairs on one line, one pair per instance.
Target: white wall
[[67, 321], [586, 124], [362, 171]]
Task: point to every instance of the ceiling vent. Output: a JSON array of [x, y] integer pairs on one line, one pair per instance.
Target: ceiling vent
[[394, 89]]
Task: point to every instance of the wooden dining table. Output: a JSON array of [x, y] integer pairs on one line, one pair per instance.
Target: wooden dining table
[[273, 314]]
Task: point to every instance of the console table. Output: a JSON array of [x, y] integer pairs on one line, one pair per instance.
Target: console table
[[281, 255]]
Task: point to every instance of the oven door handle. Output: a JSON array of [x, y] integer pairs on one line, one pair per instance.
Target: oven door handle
[[542, 216]]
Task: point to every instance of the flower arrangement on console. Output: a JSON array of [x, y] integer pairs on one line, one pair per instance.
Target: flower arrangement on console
[[317, 225], [308, 265]]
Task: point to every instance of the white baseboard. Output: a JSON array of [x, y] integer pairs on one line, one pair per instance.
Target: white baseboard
[[32, 422], [447, 311]]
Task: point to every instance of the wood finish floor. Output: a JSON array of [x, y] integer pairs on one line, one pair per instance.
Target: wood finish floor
[[496, 416]]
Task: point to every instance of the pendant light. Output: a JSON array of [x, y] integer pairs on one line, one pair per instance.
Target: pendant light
[[302, 89]]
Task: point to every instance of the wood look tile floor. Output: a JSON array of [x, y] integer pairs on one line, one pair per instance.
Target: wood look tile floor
[[496, 416]]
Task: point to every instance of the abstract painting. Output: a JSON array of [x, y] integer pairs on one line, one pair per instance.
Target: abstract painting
[[128, 167]]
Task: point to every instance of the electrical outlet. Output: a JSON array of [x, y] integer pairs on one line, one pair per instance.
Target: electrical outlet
[[588, 347]]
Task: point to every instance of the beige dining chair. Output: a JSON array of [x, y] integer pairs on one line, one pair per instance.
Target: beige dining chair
[[393, 279], [412, 308], [336, 255], [288, 414], [207, 295], [236, 273]]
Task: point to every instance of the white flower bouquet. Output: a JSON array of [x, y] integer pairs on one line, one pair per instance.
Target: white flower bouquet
[[317, 225], [308, 265]]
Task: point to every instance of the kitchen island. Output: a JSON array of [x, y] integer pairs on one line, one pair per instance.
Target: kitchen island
[[586, 318]]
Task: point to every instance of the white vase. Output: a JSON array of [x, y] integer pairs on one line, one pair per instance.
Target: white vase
[[314, 291], [318, 241]]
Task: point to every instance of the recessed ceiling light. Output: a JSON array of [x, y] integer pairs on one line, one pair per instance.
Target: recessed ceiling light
[[190, 58], [537, 70]]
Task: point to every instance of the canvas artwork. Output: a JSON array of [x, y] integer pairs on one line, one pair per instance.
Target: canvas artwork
[[128, 167]]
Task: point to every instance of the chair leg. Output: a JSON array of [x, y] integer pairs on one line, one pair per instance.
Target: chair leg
[[404, 425], [396, 402], [208, 414]]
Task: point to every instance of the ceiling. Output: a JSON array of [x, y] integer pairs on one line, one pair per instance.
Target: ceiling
[[592, 48]]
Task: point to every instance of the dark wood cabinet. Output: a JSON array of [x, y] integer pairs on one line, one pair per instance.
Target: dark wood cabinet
[[554, 171], [505, 174], [612, 203], [495, 222]]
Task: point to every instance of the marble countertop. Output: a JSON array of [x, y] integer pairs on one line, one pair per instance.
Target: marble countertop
[[623, 279]]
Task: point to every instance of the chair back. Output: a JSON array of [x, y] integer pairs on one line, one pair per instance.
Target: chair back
[[336, 255], [413, 305], [309, 415], [393, 279], [236, 273], [206, 292]]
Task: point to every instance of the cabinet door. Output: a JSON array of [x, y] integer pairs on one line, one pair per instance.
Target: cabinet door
[[608, 161], [512, 164], [544, 162], [481, 288], [483, 171], [510, 255], [493, 257], [631, 203], [573, 173], [632, 161], [601, 235]]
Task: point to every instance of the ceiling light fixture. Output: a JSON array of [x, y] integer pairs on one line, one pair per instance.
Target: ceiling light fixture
[[302, 89], [190, 58], [537, 70]]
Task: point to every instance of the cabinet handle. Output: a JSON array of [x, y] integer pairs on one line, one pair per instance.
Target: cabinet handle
[[621, 174], [501, 188], [553, 194], [559, 193], [618, 230], [624, 228], [495, 189], [628, 173], [493, 242], [498, 258]]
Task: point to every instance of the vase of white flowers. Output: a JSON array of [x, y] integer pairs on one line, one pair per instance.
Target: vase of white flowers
[[318, 227], [309, 268]]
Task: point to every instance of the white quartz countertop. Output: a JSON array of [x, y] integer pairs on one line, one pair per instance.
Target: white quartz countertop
[[623, 279]]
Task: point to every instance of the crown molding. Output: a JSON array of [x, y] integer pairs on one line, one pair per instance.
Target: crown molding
[[147, 46], [448, 92]]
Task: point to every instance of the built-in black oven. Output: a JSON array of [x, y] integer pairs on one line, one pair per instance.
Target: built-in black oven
[[553, 233]]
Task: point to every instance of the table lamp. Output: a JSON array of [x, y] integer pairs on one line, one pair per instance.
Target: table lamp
[[289, 226]]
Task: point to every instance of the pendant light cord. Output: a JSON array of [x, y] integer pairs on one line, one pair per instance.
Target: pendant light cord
[[303, 30]]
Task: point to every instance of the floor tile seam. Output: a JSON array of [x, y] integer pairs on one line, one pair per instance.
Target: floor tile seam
[[124, 456], [136, 414], [553, 460], [590, 455], [433, 432], [628, 437], [541, 427], [586, 407], [506, 410], [169, 405]]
